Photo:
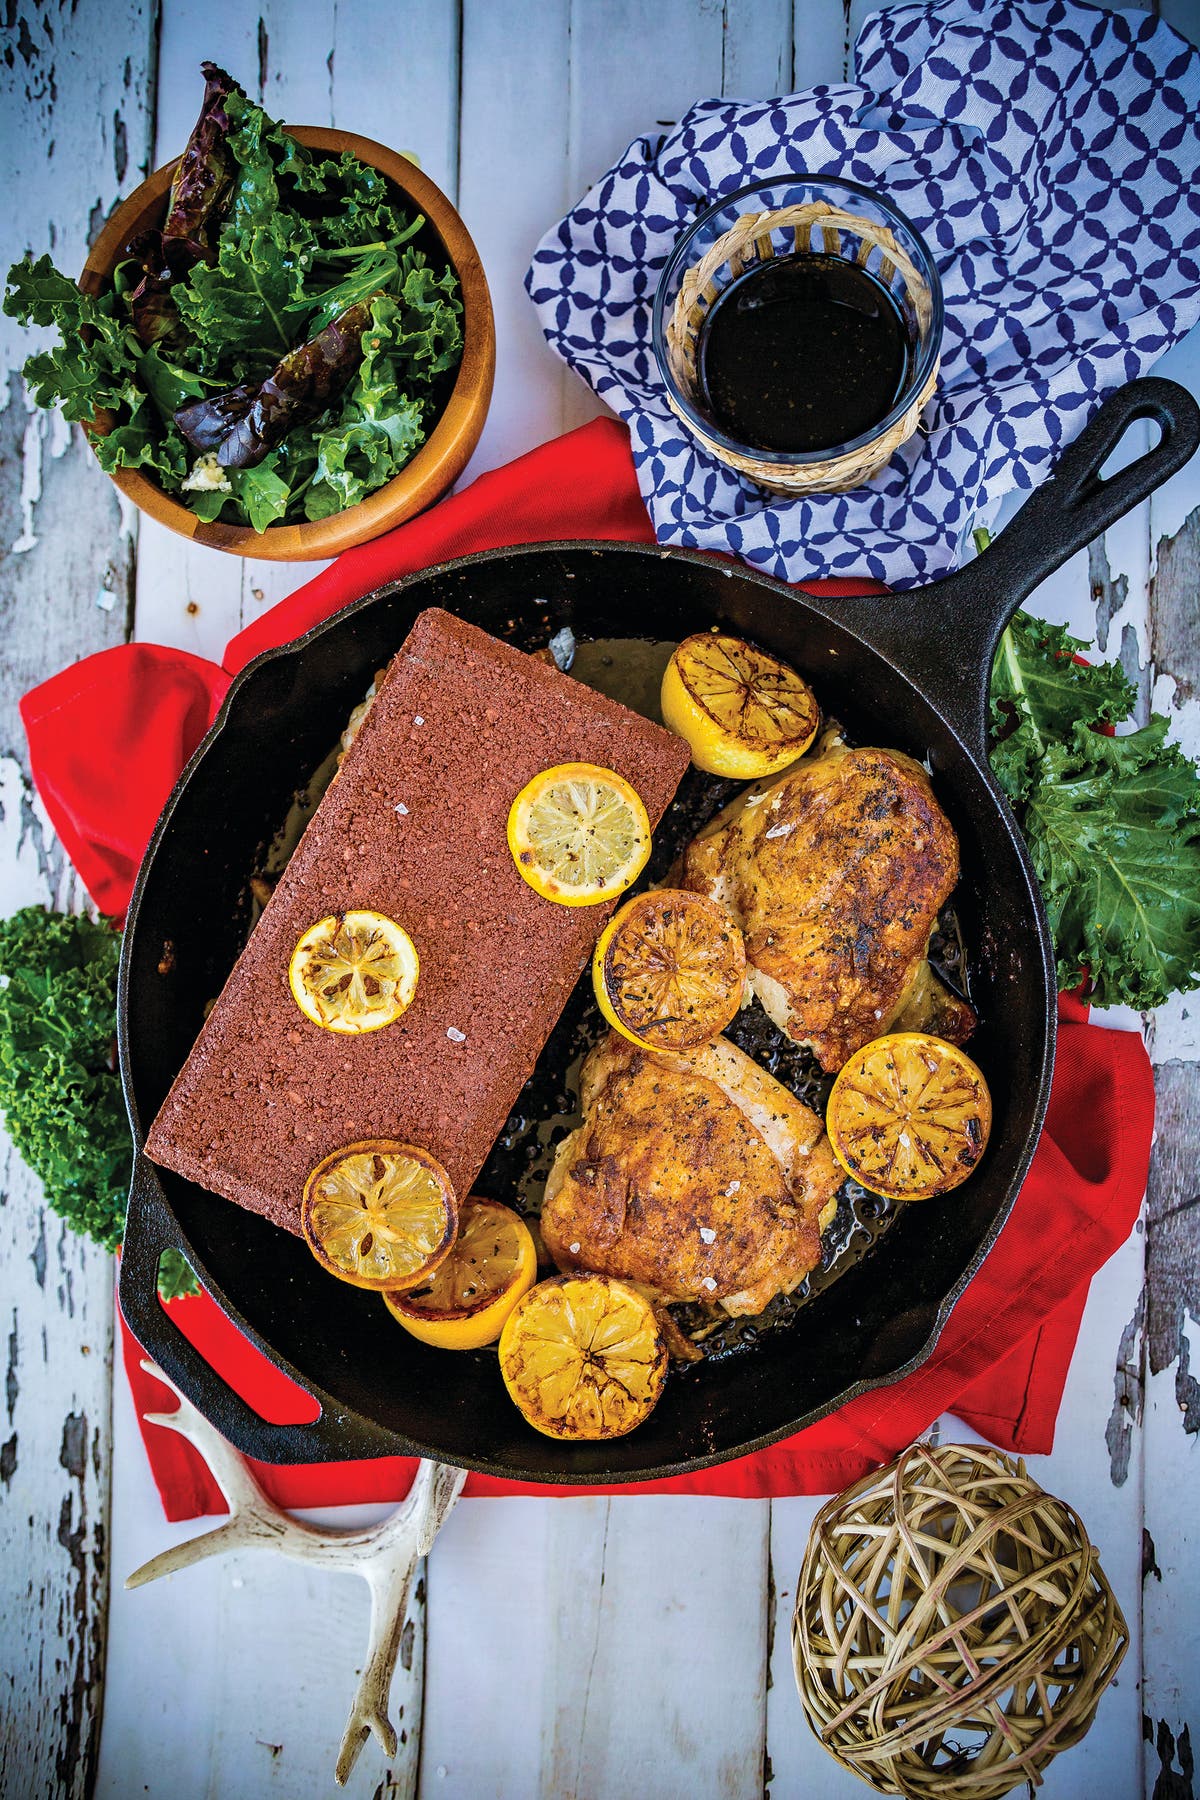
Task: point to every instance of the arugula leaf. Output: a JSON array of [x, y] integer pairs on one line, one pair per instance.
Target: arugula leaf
[[1040, 693], [209, 503], [1113, 826], [167, 384]]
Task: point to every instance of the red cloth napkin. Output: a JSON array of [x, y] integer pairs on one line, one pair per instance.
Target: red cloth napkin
[[108, 738]]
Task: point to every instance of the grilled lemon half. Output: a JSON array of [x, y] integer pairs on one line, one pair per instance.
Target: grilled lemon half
[[583, 1357], [909, 1116], [669, 970], [465, 1302], [579, 834], [379, 1214], [354, 972], [743, 713]]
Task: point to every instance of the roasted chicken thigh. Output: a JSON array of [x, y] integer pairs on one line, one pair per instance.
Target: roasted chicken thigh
[[836, 871], [697, 1175]]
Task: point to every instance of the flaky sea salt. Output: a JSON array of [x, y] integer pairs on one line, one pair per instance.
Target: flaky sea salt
[[562, 648], [732, 1188], [777, 831], [574, 1249], [401, 809], [455, 1035], [709, 1283], [707, 1234], [418, 720]]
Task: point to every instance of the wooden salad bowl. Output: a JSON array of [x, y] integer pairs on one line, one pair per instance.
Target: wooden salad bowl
[[440, 460]]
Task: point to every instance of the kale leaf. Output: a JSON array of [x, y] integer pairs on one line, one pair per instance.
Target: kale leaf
[[59, 1088], [1112, 822], [95, 370], [1114, 832], [1040, 692]]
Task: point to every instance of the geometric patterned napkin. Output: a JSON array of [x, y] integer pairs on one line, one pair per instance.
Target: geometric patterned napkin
[[1049, 154]]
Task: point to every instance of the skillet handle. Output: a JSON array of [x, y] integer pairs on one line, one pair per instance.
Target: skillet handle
[[151, 1228], [944, 637]]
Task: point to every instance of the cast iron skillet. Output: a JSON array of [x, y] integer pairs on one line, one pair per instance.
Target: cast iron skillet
[[909, 671]]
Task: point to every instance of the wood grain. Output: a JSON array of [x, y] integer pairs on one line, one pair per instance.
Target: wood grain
[[1167, 1322], [77, 136]]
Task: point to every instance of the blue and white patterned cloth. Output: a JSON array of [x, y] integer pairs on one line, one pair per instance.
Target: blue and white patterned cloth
[[1048, 152]]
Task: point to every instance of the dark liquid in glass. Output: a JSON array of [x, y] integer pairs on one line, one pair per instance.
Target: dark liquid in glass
[[803, 352]]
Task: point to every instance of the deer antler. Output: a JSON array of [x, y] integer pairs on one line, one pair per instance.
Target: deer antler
[[385, 1555]]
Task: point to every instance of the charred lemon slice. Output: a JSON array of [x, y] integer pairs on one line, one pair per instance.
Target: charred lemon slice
[[669, 970], [909, 1116], [743, 713], [379, 1214], [354, 972], [579, 834], [583, 1357], [464, 1303]]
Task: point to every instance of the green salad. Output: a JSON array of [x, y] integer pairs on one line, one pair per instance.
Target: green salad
[[276, 350]]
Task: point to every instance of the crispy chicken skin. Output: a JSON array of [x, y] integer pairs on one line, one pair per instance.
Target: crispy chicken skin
[[677, 1150], [836, 871]]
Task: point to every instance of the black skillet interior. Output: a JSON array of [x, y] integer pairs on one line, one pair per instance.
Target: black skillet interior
[[380, 1391]]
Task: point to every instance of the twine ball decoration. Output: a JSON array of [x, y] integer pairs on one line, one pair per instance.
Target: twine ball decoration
[[953, 1628], [814, 226]]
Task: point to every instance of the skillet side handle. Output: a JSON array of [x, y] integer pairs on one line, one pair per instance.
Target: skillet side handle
[[1076, 504], [151, 1229], [944, 636]]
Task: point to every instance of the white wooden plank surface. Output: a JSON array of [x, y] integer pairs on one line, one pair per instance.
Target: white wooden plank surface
[[513, 180], [1166, 1326], [590, 1647], [82, 143], [245, 1664], [596, 1647]]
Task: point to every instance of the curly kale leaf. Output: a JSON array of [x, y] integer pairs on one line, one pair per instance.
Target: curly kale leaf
[[1113, 826], [95, 367], [59, 1089], [380, 425], [1040, 693], [236, 310]]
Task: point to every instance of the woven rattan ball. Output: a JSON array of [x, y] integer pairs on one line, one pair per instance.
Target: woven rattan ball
[[953, 1628], [813, 226]]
